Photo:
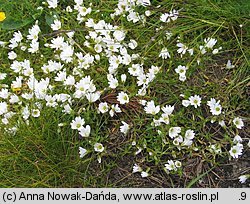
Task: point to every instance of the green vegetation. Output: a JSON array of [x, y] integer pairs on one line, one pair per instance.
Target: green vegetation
[[42, 150]]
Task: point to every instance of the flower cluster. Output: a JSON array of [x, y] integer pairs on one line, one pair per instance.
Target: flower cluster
[[171, 16], [60, 74], [173, 165], [137, 168], [128, 7], [215, 107]]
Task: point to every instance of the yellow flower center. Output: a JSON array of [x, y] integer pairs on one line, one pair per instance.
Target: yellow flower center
[[16, 89], [2, 16]]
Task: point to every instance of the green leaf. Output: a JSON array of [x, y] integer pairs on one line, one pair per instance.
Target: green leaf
[[12, 24]]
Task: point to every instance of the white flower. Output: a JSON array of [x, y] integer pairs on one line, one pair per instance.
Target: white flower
[[248, 144], [215, 107], [243, 178], [186, 103], [153, 70], [164, 17], [174, 132], [25, 112], [238, 122], [69, 9], [189, 134], [123, 98], [182, 77], [103, 107], [93, 97], [119, 35], [98, 48], [67, 109], [215, 149], [178, 140], [138, 151], [70, 36], [3, 108], [142, 80], [236, 150], [2, 43], [143, 102], [123, 78], [132, 44], [215, 51], [178, 164], [222, 123], [144, 174], [195, 100], [12, 55], [172, 15], [67, 53], [78, 2], [34, 46], [170, 165], [35, 113], [156, 122], [187, 142], [82, 152], [237, 139], [114, 109], [56, 25], [17, 36], [181, 70], [164, 53], [135, 70], [51, 101], [168, 109], [83, 11], [33, 32], [191, 51], [212, 102], [98, 147], [99, 159], [229, 65], [124, 128], [203, 51], [133, 16], [4, 93], [85, 131], [14, 99], [78, 123], [182, 48], [210, 42], [52, 3], [136, 168], [133, 143], [3, 76], [147, 13], [164, 118], [70, 81], [150, 108], [143, 2], [57, 43], [113, 83]]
